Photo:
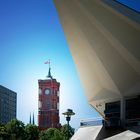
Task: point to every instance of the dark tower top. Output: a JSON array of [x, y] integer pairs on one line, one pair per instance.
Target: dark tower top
[[49, 73]]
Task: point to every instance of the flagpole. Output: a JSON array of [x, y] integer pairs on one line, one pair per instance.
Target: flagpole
[[49, 72], [49, 63]]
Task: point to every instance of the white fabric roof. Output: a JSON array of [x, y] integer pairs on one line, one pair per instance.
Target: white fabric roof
[[126, 135], [87, 133], [91, 132]]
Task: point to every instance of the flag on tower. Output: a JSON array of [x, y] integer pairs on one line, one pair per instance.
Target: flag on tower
[[47, 62]]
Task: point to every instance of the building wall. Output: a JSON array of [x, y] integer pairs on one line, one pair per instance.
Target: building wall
[[8, 100], [48, 108], [104, 44]]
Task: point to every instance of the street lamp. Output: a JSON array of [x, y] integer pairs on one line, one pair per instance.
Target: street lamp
[[68, 115]]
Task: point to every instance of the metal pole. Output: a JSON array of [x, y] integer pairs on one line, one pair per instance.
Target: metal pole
[[68, 129], [68, 115], [68, 119]]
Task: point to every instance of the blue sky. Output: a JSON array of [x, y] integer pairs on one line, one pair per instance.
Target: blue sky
[[30, 33]]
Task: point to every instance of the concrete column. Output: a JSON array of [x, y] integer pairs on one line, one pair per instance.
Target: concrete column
[[122, 112]]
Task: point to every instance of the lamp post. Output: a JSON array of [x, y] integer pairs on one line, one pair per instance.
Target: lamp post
[[68, 115]]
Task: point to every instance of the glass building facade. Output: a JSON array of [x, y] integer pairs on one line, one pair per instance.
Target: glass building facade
[[8, 100]]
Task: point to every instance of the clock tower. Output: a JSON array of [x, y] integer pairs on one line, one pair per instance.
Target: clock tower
[[48, 102]]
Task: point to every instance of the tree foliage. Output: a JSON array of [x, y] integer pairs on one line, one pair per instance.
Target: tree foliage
[[3, 133], [67, 131], [31, 132], [15, 129], [51, 134]]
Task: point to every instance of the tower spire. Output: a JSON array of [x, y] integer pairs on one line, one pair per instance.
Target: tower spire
[[30, 121], [33, 119], [49, 73]]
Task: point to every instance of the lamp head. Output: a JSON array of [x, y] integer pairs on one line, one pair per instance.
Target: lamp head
[[68, 113]]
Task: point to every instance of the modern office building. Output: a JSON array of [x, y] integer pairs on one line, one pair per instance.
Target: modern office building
[[104, 39], [48, 103], [8, 101]]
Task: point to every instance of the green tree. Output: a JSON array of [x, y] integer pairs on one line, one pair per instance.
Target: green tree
[[31, 132], [15, 129], [43, 135], [51, 134], [67, 131], [3, 133]]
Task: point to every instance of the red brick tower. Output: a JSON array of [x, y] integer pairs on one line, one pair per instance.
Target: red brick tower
[[48, 103]]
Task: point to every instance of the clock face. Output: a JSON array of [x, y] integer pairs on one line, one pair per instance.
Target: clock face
[[47, 91]]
